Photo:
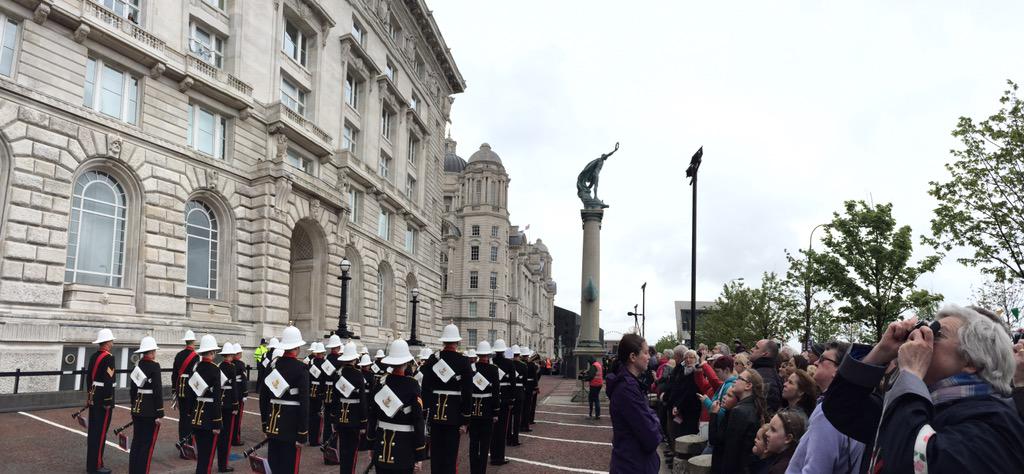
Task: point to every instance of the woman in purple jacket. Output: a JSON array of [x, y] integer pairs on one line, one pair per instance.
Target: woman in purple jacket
[[635, 431]]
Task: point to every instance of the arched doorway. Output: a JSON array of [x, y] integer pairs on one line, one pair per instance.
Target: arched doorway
[[306, 280]]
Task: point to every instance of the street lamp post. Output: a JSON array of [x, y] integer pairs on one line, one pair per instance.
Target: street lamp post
[[691, 172], [343, 331], [635, 314], [643, 310], [807, 290], [413, 342]]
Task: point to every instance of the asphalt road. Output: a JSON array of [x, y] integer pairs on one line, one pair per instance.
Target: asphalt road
[[563, 440]]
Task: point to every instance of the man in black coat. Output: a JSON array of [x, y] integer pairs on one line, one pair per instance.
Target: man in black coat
[[485, 407], [507, 380], [184, 364], [99, 381], [764, 358], [147, 407], [241, 393], [207, 394], [447, 391], [284, 405]]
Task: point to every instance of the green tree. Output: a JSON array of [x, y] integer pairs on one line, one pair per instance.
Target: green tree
[[866, 266], [1001, 297], [981, 206], [668, 341], [750, 314]]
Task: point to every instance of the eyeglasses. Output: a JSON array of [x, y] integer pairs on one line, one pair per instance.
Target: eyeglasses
[[833, 361], [743, 379]]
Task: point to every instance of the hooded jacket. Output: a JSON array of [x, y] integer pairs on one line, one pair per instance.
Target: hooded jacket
[[635, 430]]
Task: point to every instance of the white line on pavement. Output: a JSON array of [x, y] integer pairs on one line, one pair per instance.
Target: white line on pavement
[[599, 443], [573, 424], [562, 413], [165, 416], [554, 466], [564, 406], [58, 425]]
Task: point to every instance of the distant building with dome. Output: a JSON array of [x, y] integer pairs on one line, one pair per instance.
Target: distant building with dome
[[495, 284]]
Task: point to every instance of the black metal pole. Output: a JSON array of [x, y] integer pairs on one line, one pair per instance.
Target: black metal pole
[[413, 342], [343, 331], [643, 310], [693, 269]]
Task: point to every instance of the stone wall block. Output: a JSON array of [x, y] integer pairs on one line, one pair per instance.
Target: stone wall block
[[47, 170], [34, 272], [12, 269], [64, 127], [42, 201], [15, 132], [27, 181], [8, 112], [57, 187], [56, 256], [55, 221], [58, 238], [42, 135], [21, 197], [33, 116], [75, 148], [55, 274], [86, 142], [31, 293], [38, 235], [25, 215]]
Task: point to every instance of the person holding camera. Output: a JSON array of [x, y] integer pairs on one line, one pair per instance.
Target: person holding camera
[[948, 410]]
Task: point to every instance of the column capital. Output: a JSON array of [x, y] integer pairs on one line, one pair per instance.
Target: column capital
[[592, 214]]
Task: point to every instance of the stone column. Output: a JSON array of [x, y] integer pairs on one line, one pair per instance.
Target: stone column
[[590, 296]]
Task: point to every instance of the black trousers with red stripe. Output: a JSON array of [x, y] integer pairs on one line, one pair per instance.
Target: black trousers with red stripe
[[480, 430], [144, 434], [315, 420], [283, 456], [444, 448], [224, 440], [206, 443], [500, 432], [99, 423], [348, 452], [236, 438]]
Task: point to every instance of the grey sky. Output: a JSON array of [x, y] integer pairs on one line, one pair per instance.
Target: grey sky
[[799, 106]]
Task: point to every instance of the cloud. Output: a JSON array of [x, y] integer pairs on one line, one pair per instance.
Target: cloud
[[799, 106]]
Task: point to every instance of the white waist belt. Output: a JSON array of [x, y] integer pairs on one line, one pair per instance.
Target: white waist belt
[[238, 378], [481, 395], [98, 384], [350, 401], [529, 380], [145, 391], [505, 384], [315, 383], [226, 387], [278, 401], [205, 399], [393, 427], [447, 392]]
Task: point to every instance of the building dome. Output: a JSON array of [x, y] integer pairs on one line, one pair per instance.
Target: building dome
[[453, 163], [485, 154], [540, 246]]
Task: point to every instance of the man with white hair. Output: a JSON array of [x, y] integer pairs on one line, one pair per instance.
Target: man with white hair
[[948, 411]]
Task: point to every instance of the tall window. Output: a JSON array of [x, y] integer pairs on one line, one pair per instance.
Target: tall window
[[410, 239], [349, 137], [474, 279], [444, 282], [97, 231], [295, 43], [8, 41], [357, 32], [380, 298], [351, 91], [410, 187], [494, 280], [492, 334], [110, 91], [494, 253], [386, 118], [384, 224], [472, 337], [384, 166], [414, 102], [218, 4], [207, 46], [414, 146], [389, 70], [201, 257], [474, 252], [475, 231], [127, 9], [301, 162], [444, 257], [494, 231], [207, 132], [492, 309], [478, 192], [355, 200], [472, 309], [448, 203], [293, 97], [421, 66], [395, 30]]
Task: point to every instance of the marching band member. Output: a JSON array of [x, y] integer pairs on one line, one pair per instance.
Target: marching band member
[[206, 387], [100, 382], [184, 364], [520, 395], [447, 389], [395, 421], [507, 381], [317, 389], [147, 407], [484, 409], [241, 393], [229, 406], [284, 403], [330, 368], [351, 393]]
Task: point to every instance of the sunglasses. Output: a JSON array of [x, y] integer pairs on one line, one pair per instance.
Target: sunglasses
[[933, 325]]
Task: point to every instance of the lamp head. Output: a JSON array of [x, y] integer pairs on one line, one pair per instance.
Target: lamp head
[[346, 265], [415, 292]]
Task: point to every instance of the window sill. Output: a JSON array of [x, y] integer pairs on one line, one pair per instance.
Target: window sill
[[202, 309], [81, 297]]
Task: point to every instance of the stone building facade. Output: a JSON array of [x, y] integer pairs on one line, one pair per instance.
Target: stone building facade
[[207, 164], [496, 284]]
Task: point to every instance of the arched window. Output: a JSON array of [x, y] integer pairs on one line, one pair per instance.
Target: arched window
[[97, 231], [201, 250]]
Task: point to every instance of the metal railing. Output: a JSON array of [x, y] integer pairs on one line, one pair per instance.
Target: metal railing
[[18, 374]]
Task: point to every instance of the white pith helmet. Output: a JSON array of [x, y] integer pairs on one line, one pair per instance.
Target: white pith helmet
[[379, 354], [365, 360], [451, 334], [189, 336], [273, 343], [483, 348], [398, 353], [350, 353], [103, 336], [207, 344], [471, 354], [499, 346], [333, 342], [291, 339], [516, 349], [147, 344]]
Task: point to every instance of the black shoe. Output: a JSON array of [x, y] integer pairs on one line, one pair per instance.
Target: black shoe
[[527, 430], [499, 463], [226, 469], [102, 470], [237, 443]]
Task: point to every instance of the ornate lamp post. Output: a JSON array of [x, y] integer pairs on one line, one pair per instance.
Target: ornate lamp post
[[413, 342], [343, 331], [691, 172]]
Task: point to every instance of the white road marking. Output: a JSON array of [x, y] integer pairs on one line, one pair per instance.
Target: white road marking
[[165, 416], [573, 424], [562, 413], [564, 406], [554, 466], [599, 443], [58, 425]]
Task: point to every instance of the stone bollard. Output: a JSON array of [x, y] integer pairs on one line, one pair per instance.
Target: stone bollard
[[699, 464], [688, 446]]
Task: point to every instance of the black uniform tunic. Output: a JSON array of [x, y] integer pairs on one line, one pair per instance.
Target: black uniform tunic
[[330, 397], [184, 364], [399, 440], [241, 393], [517, 406], [229, 407], [100, 399], [350, 416], [286, 417], [508, 383], [147, 406], [529, 395], [449, 406], [484, 409], [206, 414], [316, 399]]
